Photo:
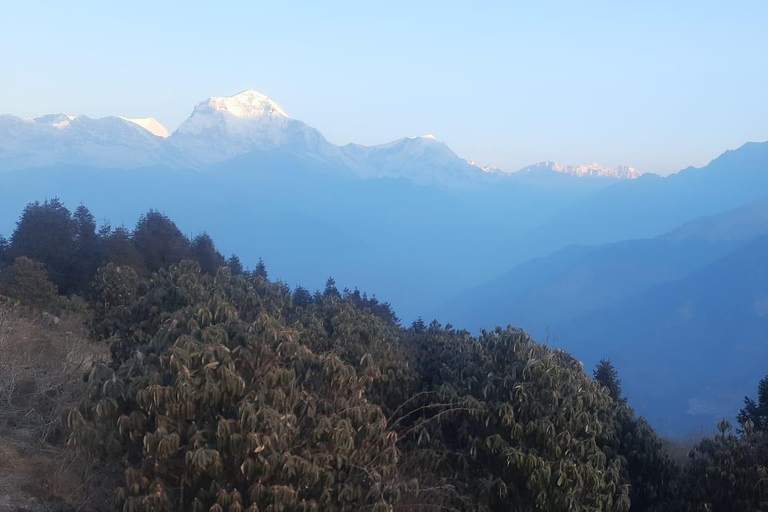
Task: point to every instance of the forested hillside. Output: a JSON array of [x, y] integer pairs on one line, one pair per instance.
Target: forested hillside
[[226, 391]]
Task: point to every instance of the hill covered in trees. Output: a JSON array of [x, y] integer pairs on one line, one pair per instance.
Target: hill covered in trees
[[226, 392]]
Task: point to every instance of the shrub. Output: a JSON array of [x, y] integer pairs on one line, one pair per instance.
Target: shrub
[[27, 281]]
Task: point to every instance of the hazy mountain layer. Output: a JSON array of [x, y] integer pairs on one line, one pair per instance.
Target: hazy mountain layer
[[675, 293]]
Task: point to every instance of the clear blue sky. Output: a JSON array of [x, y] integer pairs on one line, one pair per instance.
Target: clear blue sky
[[659, 86]]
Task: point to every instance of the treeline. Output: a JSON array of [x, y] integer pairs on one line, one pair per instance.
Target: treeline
[[228, 392], [72, 248], [51, 243]]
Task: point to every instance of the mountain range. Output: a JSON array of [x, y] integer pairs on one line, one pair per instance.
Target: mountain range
[[684, 311], [222, 128], [601, 262]]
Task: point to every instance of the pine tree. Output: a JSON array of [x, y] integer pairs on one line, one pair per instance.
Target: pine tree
[[88, 249], [159, 241], [756, 411], [330, 288], [607, 376], [261, 270], [203, 251], [5, 248], [418, 325], [235, 265], [119, 248], [45, 233], [301, 297]]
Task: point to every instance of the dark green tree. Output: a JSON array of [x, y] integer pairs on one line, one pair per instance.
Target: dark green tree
[[728, 473], [119, 248], [5, 249], [381, 309], [45, 233], [756, 411], [203, 251], [159, 241], [235, 265], [502, 423], [607, 376], [88, 253], [261, 270], [330, 288], [419, 325], [301, 297]]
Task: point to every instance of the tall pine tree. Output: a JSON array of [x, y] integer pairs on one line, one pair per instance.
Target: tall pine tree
[[159, 241], [605, 374], [46, 233]]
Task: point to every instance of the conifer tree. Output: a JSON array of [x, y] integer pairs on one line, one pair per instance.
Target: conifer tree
[[118, 248], [45, 233], [235, 265], [159, 241], [4, 252], [756, 411], [203, 251], [607, 376], [88, 254], [261, 270], [330, 288], [418, 325], [301, 297]]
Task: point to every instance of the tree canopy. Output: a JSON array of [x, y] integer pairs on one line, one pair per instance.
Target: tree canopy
[[227, 391]]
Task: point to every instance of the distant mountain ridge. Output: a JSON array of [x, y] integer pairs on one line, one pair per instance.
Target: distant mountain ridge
[[595, 170], [225, 127], [699, 287]]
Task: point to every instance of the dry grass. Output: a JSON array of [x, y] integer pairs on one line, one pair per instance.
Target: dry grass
[[41, 376]]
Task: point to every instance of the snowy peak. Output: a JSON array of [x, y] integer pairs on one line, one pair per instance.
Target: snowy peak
[[150, 124], [247, 104], [56, 120], [592, 170], [252, 126], [234, 114], [485, 168]]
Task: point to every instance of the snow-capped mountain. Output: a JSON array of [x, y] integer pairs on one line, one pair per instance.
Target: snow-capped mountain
[[150, 124], [219, 129], [66, 139], [224, 127], [250, 125], [592, 170], [484, 168], [422, 159]]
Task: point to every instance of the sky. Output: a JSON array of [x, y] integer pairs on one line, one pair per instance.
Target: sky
[[654, 85]]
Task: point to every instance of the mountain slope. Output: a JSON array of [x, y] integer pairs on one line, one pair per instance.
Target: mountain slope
[[686, 350], [651, 205], [544, 292], [575, 281], [676, 294]]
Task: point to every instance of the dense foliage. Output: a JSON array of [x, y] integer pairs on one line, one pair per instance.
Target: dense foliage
[[226, 392], [27, 281], [71, 248]]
